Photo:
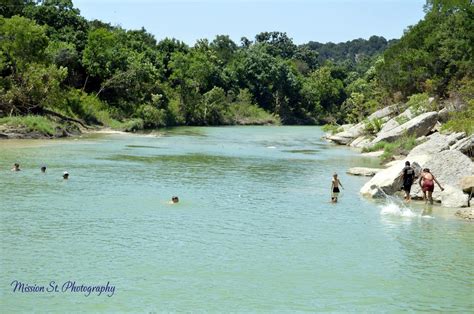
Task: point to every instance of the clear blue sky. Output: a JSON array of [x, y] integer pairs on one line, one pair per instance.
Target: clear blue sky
[[303, 20]]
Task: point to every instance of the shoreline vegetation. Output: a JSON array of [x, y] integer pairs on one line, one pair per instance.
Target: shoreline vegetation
[[60, 74]]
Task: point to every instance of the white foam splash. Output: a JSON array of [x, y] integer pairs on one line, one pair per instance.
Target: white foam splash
[[394, 209]]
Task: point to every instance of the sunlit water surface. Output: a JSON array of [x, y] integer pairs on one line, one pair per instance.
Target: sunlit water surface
[[254, 230]]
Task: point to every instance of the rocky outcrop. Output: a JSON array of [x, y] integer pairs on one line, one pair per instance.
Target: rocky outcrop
[[360, 142], [347, 136], [465, 146], [436, 143], [418, 126], [387, 181], [384, 112], [390, 125], [452, 196], [449, 177], [362, 171]]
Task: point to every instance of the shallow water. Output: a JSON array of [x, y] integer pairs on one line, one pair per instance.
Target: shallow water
[[254, 230]]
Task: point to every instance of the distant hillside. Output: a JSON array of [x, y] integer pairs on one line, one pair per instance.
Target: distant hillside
[[352, 50]]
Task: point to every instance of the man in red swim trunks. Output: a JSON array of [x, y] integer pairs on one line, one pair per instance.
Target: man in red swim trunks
[[427, 180]]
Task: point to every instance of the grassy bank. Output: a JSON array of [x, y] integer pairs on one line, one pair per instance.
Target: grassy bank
[[30, 124], [401, 146]]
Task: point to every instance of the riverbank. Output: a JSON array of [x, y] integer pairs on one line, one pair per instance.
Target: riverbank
[[400, 133], [50, 127]]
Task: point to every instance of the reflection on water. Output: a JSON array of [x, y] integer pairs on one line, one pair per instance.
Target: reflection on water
[[254, 230]]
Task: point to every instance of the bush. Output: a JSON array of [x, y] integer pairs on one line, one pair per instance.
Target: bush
[[244, 112], [332, 128], [131, 125], [462, 120], [418, 103], [152, 117], [373, 126]]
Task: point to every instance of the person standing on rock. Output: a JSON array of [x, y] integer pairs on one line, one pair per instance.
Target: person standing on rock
[[408, 176], [426, 182]]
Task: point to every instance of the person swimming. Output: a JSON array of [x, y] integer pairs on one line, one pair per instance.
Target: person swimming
[[174, 199], [427, 180], [65, 175], [43, 169], [16, 167], [335, 188]]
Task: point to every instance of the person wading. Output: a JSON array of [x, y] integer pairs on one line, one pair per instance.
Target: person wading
[[427, 180], [408, 176]]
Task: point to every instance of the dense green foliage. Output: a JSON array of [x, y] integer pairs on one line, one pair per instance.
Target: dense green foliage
[[54, 60]]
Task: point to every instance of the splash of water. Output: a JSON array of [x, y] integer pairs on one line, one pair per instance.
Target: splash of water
[[395, 207]]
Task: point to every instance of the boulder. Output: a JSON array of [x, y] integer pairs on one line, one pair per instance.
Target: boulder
[[347, 136], [373, 154], [443, 115], [361, 142], [418, 126], [341, 140], [387, 181], [384, 112], [467, 184], [465, 146], [452, 197], [408, 113], [390, 125], [362, 171], [435, 143]]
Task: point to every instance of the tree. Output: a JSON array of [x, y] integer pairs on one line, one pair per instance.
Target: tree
[[23, 41], [277, 44]]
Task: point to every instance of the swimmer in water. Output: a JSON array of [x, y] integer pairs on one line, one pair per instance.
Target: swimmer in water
[[335, 188], [43, 169], [174, 199], [65, 175], [16, 167]]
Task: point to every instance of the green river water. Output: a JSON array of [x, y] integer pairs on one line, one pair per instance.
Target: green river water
[[254, 230]]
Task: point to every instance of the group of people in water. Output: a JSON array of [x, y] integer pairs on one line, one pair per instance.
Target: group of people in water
[[426, 181], [408, 176], [16, 167]]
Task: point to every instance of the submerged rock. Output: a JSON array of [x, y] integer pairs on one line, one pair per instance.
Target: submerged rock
[[362, 171], [467, 214]]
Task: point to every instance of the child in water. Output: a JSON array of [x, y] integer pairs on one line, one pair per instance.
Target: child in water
[[335, 188]]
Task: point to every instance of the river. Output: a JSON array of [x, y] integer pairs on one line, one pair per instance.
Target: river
[[254, 230]]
